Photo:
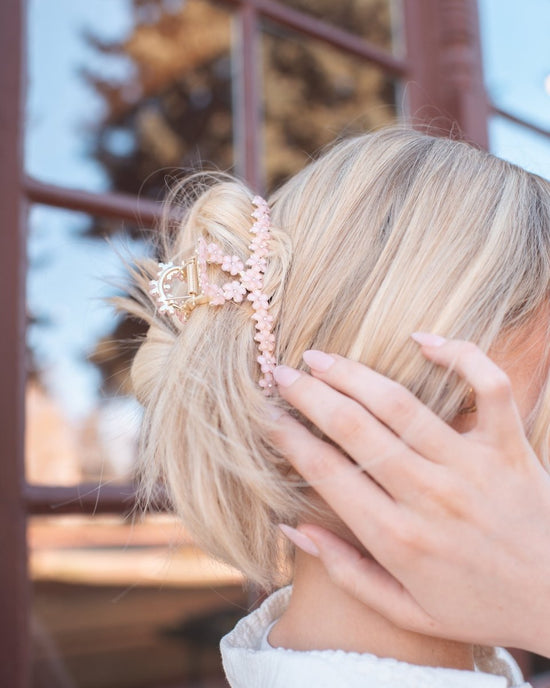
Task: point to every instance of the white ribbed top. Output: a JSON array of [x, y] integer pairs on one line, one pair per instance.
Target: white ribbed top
[[251, 662]]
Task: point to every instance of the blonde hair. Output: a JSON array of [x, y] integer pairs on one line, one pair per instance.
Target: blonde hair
[[385, 234]]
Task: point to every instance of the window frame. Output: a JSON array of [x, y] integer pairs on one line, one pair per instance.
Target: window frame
[[442, 69]]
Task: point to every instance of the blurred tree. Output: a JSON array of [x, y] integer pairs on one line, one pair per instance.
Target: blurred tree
[[371, 19], [174, 108], [313, 95]]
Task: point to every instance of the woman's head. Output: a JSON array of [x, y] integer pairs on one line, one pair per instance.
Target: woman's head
[[385, 234]]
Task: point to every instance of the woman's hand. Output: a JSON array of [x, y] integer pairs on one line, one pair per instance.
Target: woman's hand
[[458, 524]]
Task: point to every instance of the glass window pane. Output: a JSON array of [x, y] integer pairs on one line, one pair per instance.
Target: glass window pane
[[122, 91], [82, 423], [516, 57], [520, 146], [377, 21], [118, 604], [314, 94]]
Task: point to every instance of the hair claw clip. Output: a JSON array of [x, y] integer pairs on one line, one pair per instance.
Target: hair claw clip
[[249, 285], [162, 286]]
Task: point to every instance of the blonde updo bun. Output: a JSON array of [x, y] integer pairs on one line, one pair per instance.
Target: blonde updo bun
[[386, 234]]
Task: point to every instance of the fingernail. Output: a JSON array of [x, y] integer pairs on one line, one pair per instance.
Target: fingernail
[[300, 540], [285, 376], [428, 339], [274, 412], [318, 360]]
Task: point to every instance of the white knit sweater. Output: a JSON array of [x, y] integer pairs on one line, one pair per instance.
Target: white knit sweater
[[250, 662]]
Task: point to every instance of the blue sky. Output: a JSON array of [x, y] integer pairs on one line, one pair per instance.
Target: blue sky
[[516, 55], [67, 277]]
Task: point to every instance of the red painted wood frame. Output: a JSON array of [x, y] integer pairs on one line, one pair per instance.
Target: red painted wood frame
[[443, 82]]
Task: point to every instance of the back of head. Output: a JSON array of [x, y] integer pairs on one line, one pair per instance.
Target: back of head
[[386, 234]]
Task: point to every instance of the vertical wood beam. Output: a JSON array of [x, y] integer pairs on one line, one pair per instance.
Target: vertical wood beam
[[14, 588], [445, 88], [248, 100]]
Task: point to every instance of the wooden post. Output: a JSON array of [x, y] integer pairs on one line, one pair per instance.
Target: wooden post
[[14, 587], [445, 88]]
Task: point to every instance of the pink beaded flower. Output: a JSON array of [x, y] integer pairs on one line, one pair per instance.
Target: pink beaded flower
[[249, 284], [252, 280], [234, 291], [214, 254], [259, 300], [232, 265]]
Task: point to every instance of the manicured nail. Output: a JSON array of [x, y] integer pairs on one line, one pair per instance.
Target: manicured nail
[[428, 339], [285, 376], [300, 540], [318, 360]]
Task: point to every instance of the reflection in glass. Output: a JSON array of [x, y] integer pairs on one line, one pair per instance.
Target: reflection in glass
[[374, 20], [126, 605], [81, 422], [520, 146], [516, 59], [122, 91], [313, 94]]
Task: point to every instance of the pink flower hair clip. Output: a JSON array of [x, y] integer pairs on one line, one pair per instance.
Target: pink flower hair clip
[[247, 282]]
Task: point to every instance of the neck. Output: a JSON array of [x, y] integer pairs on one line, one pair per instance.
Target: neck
[[321, 616]]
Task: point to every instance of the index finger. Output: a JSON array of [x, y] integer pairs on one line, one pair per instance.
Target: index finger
[[398, 409], [498, 415]]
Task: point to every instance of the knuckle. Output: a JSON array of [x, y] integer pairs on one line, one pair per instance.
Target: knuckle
[[346, 573], [441, 488], [449, 497], [466, 355], [398, 402], [348, 423], [407, 537], [468, 349], [317, 463], [434, 487], [497, 385], [344, 578], [281, 435], [415, 543], [309, 455]]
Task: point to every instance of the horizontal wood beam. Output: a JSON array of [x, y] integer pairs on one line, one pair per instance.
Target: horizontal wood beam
[[517, 120], [85, 498], [143, 212], [316, 28]]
